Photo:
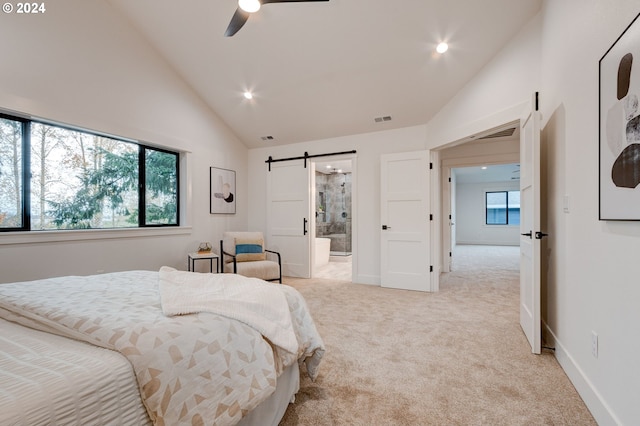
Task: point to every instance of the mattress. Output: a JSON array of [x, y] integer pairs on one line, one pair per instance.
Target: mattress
[[48, 379]]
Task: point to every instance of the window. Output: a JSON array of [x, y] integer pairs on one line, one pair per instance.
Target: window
[[503, 208], [53, 177], [12, 174]]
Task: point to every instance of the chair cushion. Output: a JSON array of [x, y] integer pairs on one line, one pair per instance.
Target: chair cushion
[[229, 240], [263, 269], [249, 249]]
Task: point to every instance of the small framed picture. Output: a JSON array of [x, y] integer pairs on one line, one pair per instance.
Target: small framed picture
[[222, 191]]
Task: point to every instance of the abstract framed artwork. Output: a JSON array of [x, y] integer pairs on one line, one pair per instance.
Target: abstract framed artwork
[[619, 178], [222, 191]]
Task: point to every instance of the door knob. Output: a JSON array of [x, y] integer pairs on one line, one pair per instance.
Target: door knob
[[385, 227], [527, 234], [540, 235]]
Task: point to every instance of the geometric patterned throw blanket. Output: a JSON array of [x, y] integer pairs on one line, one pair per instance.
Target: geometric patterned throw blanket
[[200, 368], [257, 303]]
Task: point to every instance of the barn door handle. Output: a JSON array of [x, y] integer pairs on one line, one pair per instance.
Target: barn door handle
[[527, 234], [304, 226], [540, 235], [385, 227]]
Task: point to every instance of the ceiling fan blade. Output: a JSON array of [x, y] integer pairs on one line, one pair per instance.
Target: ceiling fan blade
[[237, 21], [287, 1], [240, 17]]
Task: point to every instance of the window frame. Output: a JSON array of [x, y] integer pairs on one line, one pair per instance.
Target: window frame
[[486, 207], [25, 229]]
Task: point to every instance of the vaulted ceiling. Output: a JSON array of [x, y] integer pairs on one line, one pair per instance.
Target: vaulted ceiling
[[319, 70]]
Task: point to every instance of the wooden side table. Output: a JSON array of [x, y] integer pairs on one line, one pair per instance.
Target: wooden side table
[[192, 257]]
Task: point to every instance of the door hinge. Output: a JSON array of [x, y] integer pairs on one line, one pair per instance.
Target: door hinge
[[431, 268], [449, 217], [430, 217], [449, 180], [449, 254], [430, 166]]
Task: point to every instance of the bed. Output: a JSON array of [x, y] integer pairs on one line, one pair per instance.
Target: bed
[[161, 347]]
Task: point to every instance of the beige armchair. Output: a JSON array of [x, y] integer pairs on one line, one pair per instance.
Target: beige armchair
[[244, 253]]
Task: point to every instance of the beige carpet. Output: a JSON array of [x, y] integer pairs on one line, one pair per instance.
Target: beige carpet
[[457, 357]]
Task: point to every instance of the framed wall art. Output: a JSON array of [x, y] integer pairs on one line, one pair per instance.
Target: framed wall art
[[223, 190], [620, 127]]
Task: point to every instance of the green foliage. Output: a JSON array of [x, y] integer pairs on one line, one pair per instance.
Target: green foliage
[[81, 180], [117, 176], [77, 213]]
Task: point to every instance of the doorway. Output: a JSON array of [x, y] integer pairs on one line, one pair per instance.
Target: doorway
[[471, 168], [485, 203], [333, 213]]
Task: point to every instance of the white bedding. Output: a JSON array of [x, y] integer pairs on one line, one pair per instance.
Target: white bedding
[[233, 369], [259, 304], [47, 379]]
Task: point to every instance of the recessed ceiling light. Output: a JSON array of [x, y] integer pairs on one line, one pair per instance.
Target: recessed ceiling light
[[442, 47], [248, 95], [249, 5]]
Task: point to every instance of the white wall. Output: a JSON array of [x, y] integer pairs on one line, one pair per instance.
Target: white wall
[[80, 63], [593, 279], [470, 215], [590, 271], [366, 225], [500, 93]]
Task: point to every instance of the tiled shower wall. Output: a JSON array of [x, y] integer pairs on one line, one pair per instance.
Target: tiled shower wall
[[333, 209]]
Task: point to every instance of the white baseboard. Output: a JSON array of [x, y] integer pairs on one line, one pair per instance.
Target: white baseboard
[[598, 407], [367, 279]]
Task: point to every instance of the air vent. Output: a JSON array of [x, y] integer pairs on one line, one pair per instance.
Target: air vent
[[381, 119], [267, 138], [500, 134]]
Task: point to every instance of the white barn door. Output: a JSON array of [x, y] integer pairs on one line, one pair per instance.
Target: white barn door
[[288, 209], [404, 234]]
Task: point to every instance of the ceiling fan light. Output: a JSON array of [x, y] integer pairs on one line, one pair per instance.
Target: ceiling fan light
[[248, 95], [249, 6], [442, 47]]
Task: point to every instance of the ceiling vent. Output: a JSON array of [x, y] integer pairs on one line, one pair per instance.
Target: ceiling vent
[[381, 119], [267, 138], [501, 134]]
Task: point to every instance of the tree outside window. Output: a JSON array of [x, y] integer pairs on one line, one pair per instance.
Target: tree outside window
[[82, 180]]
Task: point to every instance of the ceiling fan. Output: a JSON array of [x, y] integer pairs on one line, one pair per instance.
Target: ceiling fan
[[246, 8]]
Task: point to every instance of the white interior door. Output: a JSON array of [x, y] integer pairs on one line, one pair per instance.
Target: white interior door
[[288, 186], [530, 228], [404, 250], [452, 219]]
